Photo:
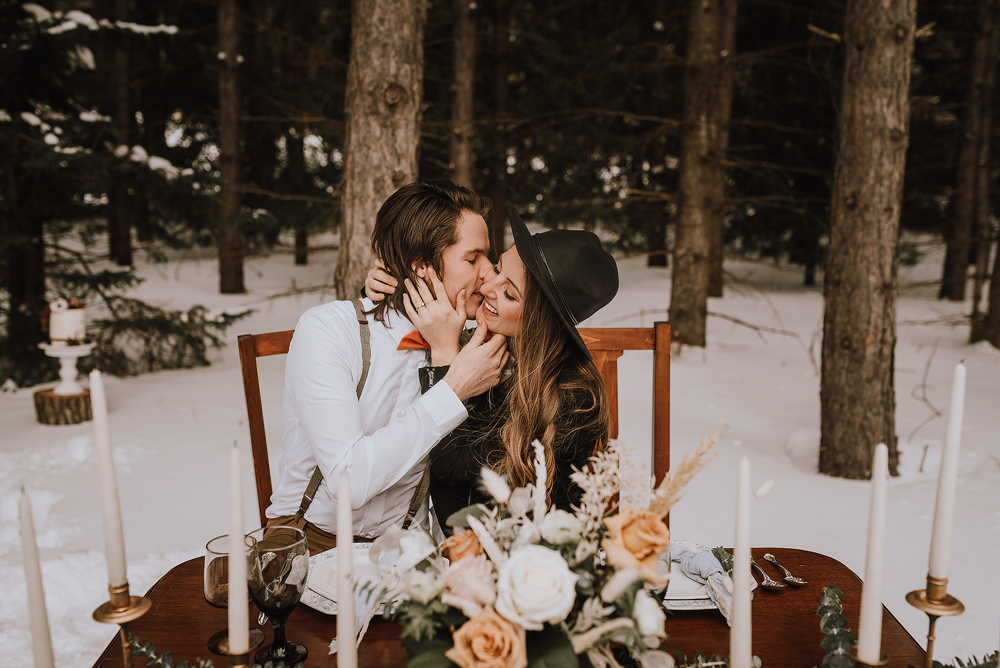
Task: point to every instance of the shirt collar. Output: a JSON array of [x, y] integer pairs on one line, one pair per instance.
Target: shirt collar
[[396, 323]]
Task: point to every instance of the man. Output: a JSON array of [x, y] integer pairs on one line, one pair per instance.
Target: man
[[377, 425]]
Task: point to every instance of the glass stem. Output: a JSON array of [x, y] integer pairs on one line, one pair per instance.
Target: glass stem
[[279, 643]]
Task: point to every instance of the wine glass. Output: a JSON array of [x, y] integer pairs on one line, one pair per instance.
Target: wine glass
[[279, 564], [217, 571], [217, 581]]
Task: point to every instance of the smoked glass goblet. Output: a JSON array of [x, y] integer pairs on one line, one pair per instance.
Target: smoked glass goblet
[[279, 564]]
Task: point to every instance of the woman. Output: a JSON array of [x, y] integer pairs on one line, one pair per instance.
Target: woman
[[541, 288]]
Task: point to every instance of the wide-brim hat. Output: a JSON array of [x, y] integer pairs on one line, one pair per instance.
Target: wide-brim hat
[[574, 271]]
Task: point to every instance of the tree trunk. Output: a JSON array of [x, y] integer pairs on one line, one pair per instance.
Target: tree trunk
[[656, 225], [722, 112], [230, 236], [119, 214], [296, 178], [696, 192], [498, 159], [990, 25], [989, 326], [962, 213], [382, 123], [857, 394], [24, 283], [461, 94]]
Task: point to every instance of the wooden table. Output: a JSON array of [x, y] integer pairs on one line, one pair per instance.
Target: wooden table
[[785, 626]]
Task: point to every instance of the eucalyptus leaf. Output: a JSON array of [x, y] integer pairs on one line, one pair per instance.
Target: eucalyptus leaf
[[550, 648], [830, 596], [460, 518], [838, 661], [824, 610], [831, 622], [432, 658], [834, 642]]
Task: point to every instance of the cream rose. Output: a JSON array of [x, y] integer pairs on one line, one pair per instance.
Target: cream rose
[[649, 618], [489, 641], [414, 546], [635, 539], [461, 545], [469, 585], [560, 527], [422, 586], [535, 586]]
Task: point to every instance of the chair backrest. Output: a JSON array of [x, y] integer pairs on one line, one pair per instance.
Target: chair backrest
[[605, 344]]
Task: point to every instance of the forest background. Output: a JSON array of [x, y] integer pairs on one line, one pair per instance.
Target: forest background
[[811, 132]]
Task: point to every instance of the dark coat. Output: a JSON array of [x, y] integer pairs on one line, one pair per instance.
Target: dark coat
[[456, 461]]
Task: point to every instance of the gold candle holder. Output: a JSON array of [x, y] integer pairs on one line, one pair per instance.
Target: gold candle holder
[[853, 652], [241, 660], [936, 602], [121, 609]]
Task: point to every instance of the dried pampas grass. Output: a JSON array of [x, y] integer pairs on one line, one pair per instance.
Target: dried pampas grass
[[669, 491]]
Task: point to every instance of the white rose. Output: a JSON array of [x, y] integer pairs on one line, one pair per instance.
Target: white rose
[[422, 586], [414, 547], [560, 527], [535, 587], [649, 618]]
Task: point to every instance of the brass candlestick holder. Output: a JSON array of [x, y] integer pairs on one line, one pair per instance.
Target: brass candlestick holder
[[241, 660], [122, 609], [936, 602], [853, 652]]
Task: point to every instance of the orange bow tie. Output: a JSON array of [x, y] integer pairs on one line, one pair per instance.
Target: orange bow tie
[[413, 341]]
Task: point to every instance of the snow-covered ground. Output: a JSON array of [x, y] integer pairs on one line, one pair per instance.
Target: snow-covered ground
[[172, 432]]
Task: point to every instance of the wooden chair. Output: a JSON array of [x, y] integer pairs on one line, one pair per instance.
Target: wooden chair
[[606, 345]]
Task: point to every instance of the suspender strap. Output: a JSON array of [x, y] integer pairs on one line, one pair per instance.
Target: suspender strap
[[366, 361], [366, 344], [419, 494]]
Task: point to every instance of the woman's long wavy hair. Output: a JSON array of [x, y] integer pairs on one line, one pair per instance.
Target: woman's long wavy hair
[[548, 365]]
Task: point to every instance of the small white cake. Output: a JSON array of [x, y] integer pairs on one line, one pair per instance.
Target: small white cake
[[66, 324]]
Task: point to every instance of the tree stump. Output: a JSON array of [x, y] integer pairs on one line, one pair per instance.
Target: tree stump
[[52, 408]]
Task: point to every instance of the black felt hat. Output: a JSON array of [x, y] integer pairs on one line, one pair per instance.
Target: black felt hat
[[576, 274]]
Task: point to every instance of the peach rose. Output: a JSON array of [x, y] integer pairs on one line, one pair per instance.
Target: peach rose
[[461, 545], [635, 539], [489, 641]]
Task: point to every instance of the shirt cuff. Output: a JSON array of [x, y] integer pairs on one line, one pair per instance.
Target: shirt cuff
[[444, 407]]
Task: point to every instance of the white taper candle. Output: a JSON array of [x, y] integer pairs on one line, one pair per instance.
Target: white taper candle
[[870, 625], [740, 644], [239, 605], [38, 616], [347, 649], [114, 541], [944, 509]]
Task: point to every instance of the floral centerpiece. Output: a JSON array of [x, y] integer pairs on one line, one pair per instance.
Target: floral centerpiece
[[521, 584]]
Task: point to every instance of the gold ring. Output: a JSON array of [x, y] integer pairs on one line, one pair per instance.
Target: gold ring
[[421, 304]]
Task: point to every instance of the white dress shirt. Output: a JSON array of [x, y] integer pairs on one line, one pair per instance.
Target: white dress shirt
[[382, 440]]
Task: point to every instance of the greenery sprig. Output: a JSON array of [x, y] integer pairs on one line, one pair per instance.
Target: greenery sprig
[[838, 638], [164, 660]]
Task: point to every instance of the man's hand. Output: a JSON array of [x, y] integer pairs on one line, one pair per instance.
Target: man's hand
[[379, 283], [434, 318], [478, 366]]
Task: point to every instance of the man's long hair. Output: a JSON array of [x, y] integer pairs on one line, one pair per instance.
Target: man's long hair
[[548, 366], [414, 225]]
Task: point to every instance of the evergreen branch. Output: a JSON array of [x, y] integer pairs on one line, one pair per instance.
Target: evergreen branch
[[253, 190]]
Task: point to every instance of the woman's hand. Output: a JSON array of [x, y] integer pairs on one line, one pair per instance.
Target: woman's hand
[[434, 317], [479, 365], [379, 283]]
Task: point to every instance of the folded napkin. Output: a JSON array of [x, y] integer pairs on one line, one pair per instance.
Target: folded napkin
[[699, 564]]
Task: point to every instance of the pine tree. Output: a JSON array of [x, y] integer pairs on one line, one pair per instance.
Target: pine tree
[[857, 391]]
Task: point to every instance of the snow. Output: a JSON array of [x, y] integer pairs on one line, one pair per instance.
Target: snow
[[172, 432]]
